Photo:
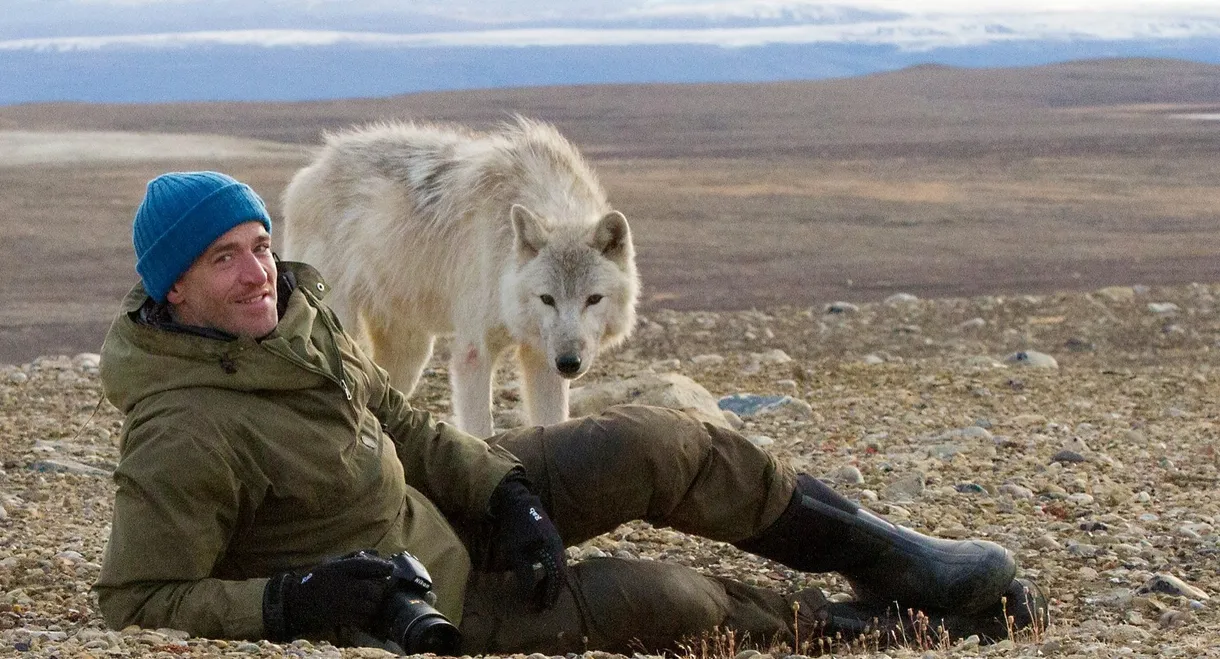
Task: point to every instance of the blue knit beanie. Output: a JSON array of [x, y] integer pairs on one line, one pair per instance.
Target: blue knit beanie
[[181, 215]]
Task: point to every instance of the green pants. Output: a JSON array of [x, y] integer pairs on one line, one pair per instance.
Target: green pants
[[630, 463]]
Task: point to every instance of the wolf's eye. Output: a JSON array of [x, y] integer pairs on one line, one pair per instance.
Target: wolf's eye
[[548, 300], [593, 299]]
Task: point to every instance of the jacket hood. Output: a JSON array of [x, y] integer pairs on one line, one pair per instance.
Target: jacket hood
[[141, 360]]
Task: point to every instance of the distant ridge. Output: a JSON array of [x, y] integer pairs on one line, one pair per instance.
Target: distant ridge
[[723, 115], [287, 63]]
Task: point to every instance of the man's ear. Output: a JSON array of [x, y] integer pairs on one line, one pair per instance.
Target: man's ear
[[174, 296]]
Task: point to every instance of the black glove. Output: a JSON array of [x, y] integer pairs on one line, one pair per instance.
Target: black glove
[[527, 542], [341, 591]]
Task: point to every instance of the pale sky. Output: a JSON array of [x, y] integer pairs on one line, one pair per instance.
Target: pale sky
[[904, 6]]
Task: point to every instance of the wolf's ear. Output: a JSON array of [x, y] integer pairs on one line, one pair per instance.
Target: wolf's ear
[[612, 237], [529, 233]]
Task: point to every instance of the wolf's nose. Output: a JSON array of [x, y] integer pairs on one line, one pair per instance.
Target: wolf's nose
[[568, 364]]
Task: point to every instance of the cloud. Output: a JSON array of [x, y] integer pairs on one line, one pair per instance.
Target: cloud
[[913, 33]]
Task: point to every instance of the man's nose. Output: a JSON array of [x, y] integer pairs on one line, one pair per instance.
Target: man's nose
[[253, 271]]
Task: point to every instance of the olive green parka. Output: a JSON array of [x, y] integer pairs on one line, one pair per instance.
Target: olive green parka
[[243, 458]]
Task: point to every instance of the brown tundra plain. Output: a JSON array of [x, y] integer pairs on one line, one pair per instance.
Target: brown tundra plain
[[993, 297]]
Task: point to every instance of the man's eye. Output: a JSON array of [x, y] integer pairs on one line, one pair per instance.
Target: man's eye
[[547, 300], [592, 300]]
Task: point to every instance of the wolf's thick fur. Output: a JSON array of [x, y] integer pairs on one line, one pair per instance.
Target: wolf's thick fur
[[504, 239]]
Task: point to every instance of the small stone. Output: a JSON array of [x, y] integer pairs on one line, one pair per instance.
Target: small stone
[[789, 408], [667, 366], [847, 475], [968, 644], [1083, 550], [973, 323], [1117, 598], [1080, 499], [70, 556], [1077, 344], [906, 488], [1027, 420], [733, 420], [707, 360], [1047, 542], [872, 360], [1125, 634], [1117, 293], [842, 307], [970, 488], [1162, 307], [1171, 619], [1016, 491], [1171, 585], [747, 404], [900, 298], [1067, 457], [760, 440], [944, 452], [1033, 359], [248, 648], [952, 531], [1051, 647], [379, 653], [68, 466], [87, 361], [775, 356], [18, 377]]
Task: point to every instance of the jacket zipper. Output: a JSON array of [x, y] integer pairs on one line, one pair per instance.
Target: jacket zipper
[[341, 379]]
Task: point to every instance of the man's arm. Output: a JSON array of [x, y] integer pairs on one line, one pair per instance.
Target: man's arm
[[175, 510], [456, 471]]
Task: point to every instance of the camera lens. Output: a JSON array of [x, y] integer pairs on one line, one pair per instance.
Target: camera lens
[[418, 628], [432, 634]]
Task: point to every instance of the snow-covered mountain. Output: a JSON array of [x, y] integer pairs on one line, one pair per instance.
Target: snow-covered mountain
[[149, 50]]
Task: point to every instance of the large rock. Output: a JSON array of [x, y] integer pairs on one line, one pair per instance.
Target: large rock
[[670, 390]]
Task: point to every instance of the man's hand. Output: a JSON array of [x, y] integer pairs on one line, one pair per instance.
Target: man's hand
[[527, 542], [341, 591]]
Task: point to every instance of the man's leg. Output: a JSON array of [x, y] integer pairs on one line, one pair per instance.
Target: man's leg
[[666, 468], [629, 606], [652, 464]]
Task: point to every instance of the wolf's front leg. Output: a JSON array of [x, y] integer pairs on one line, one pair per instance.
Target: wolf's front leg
[[544, 391], [470, 373]]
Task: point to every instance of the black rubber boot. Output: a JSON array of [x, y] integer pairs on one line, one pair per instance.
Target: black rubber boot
[[1022, 608], [821, 531]]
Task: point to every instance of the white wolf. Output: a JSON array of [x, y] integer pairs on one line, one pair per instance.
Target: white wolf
[[504, 239]]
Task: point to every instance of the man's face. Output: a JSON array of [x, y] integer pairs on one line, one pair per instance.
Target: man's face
[[231, 286]]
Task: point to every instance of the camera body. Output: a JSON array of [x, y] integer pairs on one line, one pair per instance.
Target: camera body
[[408, 617]]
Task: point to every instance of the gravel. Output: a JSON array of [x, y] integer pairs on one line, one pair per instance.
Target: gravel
[[1101, 474]]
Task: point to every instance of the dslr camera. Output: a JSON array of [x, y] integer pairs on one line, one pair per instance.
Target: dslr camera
[[408, 618]]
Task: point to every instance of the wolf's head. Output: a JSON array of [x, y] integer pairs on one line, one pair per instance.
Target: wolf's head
[[574, 287]]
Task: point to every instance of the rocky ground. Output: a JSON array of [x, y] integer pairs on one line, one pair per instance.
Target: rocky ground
[[1078, 430]]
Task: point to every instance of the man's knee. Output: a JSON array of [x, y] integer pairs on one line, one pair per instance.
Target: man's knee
[[653, 605], [652, 435]]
